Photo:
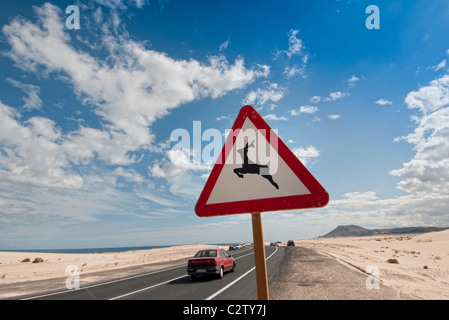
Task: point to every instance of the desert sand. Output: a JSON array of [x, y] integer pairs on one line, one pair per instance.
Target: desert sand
[[54, 265], [413, 264], [421, 271]]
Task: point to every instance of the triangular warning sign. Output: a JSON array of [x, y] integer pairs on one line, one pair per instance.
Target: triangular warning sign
[[257, 172]]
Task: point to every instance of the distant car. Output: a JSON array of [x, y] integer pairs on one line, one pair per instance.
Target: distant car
[[232, 247], [291, 243], [273, 244], [210, 262]]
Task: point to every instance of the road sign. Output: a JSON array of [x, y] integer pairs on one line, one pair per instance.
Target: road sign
[[257, 172]]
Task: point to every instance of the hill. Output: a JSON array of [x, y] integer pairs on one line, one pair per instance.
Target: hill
[[357, 231]]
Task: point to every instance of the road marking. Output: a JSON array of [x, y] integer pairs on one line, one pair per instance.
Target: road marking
[[104, 283], [128, 278], [236, 280], [161, 283], [143, 289]]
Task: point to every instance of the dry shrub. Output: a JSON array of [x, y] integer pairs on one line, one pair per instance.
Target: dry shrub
[[392, 261]]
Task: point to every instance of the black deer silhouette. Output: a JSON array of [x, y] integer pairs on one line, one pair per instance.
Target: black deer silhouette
[[253, 168]]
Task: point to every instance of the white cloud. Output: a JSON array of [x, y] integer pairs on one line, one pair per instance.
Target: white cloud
[[275, 117], [224, 45], [352, 81], [430, 98], [334, 116], [304, 154], [383, 102], [440, 66], [128, 95], [295, 49], [295, 45], [32, 99], [290, 72], [32, 152], [304, 109], [315, 99], [427, 173], [333, 96], [176, 169], [273, 92]]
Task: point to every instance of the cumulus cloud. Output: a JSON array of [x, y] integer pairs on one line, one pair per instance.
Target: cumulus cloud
[[334, 116], [427, 173], [304, 109], [383, 102], [272, 93], [176, 169], [305, 154], [128, 90], [430, 98], [274, 117], [295, 45], [333, 96], [295, 49], [315, 99], [352, 81], [32, 99]]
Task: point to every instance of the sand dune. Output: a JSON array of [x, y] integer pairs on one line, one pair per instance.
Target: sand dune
[[422, 268]]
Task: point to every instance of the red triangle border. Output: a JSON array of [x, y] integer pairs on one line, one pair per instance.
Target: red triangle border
[[317, 198]]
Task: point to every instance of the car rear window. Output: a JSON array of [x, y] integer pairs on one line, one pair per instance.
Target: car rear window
[[206, 253]]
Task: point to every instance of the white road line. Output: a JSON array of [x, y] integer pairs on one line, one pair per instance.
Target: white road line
[[143, 289], [236, 280], [161, 283], [103, 283]]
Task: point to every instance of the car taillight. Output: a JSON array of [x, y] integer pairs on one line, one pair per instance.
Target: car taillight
[[211, 262]]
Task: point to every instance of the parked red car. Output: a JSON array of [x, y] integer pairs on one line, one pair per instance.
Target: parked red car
[[211, 261]]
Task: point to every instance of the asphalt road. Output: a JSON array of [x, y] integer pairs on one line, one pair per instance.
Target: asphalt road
[[294, 273], [174, 284]]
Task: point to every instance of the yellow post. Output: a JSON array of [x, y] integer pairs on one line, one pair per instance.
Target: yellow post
[[259, 256]]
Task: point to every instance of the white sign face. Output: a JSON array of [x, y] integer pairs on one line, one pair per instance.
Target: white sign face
[[257, 172], [254, 170]]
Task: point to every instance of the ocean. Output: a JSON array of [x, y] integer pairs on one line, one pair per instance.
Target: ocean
[[89, 250]]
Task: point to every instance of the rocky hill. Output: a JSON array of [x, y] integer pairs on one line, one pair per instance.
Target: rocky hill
[[357, 231]]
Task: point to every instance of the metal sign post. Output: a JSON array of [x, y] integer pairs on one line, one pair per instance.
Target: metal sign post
[[259, 256]]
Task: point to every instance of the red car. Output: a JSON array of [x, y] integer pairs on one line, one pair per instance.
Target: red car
[[211, 261]]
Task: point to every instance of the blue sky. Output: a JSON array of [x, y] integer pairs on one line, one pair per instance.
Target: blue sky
[[86, 115]]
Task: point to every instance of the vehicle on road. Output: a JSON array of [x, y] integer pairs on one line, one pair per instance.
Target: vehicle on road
[[290, 243], [210, 262], [273, 244]]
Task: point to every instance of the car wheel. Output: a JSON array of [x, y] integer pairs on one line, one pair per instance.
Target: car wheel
[[220, 275], [233, 268], [193, 277]]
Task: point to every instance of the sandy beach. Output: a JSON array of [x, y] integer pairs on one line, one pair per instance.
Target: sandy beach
[[18, 267], [413, 264]]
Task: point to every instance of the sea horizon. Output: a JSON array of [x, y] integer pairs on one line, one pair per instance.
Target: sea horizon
[[89, 250]]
